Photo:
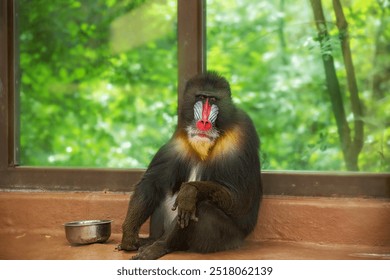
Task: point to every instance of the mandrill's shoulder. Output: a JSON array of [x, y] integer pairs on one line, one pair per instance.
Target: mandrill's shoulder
[[244, 120], [239, 138]]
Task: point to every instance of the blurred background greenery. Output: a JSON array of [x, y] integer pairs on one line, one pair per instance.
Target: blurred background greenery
[[98, 79]]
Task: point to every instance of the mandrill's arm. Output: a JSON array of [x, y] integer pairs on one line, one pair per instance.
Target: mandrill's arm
[[192, 192], [146, 198], [137, 214]]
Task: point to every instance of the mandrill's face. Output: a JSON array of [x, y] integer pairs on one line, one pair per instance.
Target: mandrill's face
[[205, 111], [203, 128]]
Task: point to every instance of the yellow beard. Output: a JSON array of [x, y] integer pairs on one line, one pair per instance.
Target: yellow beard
[[201, 146]]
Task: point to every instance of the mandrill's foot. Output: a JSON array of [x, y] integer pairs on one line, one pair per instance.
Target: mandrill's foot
[[126, 247], [152, 252], [133, 244]]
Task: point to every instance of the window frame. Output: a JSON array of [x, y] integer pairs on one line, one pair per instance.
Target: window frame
[[191, 61]]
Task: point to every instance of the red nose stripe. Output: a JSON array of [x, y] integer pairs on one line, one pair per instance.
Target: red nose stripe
[[204, 124], [206, 110]]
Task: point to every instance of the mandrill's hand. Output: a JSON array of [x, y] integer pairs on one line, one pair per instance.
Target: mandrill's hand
[[186, 205]]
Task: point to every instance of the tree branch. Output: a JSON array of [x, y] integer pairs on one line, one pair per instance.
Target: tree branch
[[356, 104], [332, 82]]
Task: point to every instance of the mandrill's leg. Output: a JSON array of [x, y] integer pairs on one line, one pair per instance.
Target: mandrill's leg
[[172, 240], [213, 231]]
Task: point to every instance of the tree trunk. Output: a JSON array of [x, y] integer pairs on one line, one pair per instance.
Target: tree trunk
[[356, 104], [333, 85]]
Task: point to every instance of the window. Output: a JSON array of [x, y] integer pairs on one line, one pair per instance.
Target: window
[[97, 89], [273, 55], [191, 53]]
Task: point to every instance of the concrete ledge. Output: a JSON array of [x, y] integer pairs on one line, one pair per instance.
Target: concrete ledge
[[348, 221]]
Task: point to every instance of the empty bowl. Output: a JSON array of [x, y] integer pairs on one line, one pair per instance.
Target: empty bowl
[[88, 231]]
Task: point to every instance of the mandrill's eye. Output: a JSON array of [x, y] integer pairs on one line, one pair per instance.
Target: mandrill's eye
[[200, 97], [203, 97]]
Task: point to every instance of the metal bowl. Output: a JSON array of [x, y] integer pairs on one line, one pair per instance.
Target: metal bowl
[[88, 231]]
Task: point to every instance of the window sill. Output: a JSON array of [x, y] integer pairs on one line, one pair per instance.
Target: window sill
[[288, 228]]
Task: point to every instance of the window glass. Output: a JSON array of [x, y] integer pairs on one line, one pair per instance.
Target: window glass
[[273, 55], [98, 81]]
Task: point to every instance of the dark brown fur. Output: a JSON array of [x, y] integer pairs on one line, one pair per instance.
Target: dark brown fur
[[218, 210]]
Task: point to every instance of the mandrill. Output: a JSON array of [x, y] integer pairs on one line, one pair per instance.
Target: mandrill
[[202, 189]]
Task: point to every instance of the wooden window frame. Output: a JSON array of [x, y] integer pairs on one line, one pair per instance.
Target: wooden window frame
[[191, 60]]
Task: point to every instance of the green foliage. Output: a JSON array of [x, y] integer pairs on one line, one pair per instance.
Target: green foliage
[[82, 103], [99, 89], [270, 52]]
